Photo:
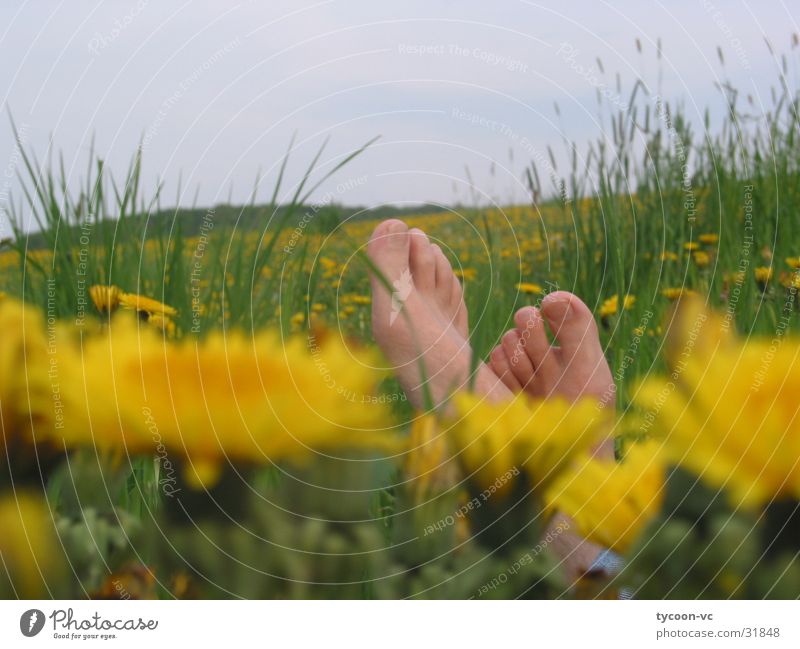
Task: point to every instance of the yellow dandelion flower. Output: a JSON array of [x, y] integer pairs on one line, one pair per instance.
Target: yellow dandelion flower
[[105, 298], [709, 238], [691, 246], [729, 410], [793, 262], [37, 388], [529, 288], [611, 305], [362, 300], [673, 294], [162, 322], [330, 268], [790, 280], [701, 259], [669, 256], [611, 502], [202, 473], [763, 275], [145, 305], [466, 274], [28, 546], [538, 437], [736, 278], [256, 399], [426, 463]]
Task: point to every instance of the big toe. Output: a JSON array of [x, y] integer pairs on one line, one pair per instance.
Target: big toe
[[573, 326], [388, 249]]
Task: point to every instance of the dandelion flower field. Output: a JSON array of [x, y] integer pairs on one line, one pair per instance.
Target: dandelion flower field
[[193, 406]]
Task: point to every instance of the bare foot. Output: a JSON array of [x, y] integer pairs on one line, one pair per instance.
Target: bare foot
[[525, 360], [423, 319]]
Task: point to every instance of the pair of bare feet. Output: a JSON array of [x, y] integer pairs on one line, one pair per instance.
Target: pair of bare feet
[[424, 319], [422, 323]]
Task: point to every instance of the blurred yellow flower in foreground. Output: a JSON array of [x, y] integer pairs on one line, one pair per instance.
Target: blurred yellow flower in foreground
[[539, 437], [427, 464], [728, 411], [28, 547], [611, 502], [250, 399], [36, 378]]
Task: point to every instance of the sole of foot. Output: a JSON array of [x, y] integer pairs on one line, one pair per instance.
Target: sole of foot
[[419, 319]]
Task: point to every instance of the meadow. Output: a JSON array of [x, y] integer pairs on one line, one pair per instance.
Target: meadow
[[220, 423]]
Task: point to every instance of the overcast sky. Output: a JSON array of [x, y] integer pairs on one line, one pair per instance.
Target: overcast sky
[[214, 90]]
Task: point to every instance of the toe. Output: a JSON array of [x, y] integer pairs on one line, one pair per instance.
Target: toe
[[518, 360], [531, 327], [444, 277], [422, 261], [459, 307], [498, 362], [456, 292], [388, 249], [574, 327]]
